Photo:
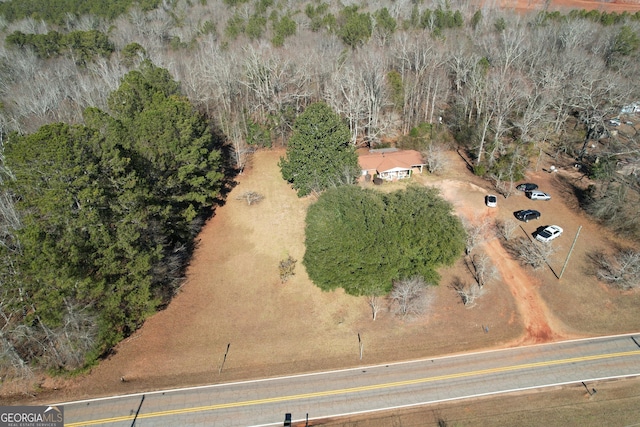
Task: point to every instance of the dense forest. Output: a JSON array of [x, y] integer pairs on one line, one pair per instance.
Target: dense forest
[[113, 117]]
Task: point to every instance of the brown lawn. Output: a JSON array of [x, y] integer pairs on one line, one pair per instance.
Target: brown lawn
[[233, 296]]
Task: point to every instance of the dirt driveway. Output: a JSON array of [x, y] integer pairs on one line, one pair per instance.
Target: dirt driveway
[[233, 298], [539, 324]]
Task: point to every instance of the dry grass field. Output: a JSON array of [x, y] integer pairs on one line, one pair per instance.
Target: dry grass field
[[233, 297]]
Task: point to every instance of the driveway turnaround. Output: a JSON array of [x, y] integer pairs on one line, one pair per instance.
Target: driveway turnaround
[[368, 388]]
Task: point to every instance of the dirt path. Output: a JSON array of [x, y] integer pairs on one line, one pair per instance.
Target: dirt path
[[540, 325]]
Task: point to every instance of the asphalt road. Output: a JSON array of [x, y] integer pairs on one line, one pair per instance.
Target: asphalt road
[[371, 388]]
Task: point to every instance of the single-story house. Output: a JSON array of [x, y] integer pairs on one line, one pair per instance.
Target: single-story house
[[391, 164]]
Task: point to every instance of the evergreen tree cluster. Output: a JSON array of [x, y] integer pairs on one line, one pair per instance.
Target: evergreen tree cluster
[[82, 45], [56, 11], [362, 240], [319, 155], [107, 212]]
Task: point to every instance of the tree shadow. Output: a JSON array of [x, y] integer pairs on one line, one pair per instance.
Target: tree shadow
[[458, 285], [512, 246], [575, 193], [171, 273], [466, 160], [594, 259]]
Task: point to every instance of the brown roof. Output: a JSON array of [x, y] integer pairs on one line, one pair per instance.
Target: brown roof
[[386, 160]]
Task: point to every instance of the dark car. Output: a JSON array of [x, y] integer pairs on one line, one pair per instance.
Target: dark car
[[527, 186], [527, 215]]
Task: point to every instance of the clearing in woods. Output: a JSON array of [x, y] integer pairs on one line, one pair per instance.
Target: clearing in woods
[[233, 297]]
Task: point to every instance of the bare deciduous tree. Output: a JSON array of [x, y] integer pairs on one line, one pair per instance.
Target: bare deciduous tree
[[241, 150], [435, 158], [410, 296], [506, 228], [534, 253], [621, 270], [477, 230], [9, 220], [484, 270], [13, 364], [373, 81], [274, 81], [346, 96], [507, 92], [77, 335], [375, 300], [504, 188], [531, 123], [468, 292], [347, 176], [616, 205], [375, 303], [251, 197], [425, 79]]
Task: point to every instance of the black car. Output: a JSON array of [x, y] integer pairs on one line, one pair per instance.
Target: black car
[[527, 186], [527, 215]]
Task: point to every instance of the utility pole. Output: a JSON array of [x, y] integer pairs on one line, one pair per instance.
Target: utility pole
[[224, 359], [569, 254], [138, 411]]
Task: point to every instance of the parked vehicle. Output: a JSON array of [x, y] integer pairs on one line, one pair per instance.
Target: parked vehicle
[[527, 215], [538, 195], [491, 200], [527, 186], [549, 233]]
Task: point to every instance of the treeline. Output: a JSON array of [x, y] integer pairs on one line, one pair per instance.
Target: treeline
[[58, 11], [600, 16], [104, 220], [83, 46]]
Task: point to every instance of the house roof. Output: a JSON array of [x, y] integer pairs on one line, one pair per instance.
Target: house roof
[[383, 161]]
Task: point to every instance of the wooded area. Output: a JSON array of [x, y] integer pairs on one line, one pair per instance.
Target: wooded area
[[102, 221], [106, 180]]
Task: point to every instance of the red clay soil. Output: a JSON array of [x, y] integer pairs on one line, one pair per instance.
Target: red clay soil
[[540, 325], [564, 6]]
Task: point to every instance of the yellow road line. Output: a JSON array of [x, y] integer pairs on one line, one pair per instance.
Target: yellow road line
[[355, 389]]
